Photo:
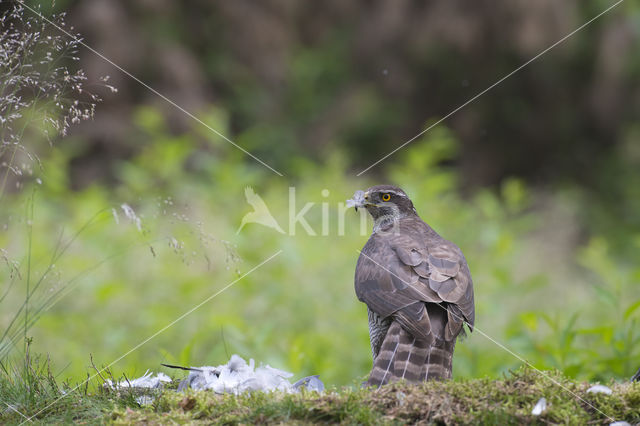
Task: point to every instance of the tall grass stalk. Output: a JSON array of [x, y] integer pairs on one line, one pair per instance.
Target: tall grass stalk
[[38, 90]]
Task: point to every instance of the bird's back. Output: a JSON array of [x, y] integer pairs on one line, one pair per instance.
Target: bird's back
[[399, 353]]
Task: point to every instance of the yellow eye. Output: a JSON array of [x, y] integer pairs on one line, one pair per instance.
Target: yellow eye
[[386, 197]]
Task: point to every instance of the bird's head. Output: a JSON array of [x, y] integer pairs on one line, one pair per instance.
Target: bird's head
[[383, 202]]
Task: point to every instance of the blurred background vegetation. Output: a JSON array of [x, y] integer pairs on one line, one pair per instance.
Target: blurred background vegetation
[[538, 182]]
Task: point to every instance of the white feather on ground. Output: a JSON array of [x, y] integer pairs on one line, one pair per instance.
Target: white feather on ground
[[599, 389], [234, 377], [237, 377], [146, 381], [540, 407]]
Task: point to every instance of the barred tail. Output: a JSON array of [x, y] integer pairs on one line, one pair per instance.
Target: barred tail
[[402, 357], [438, 364]]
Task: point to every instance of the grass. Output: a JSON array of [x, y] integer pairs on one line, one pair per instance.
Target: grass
[[112, 284], [477, 401]]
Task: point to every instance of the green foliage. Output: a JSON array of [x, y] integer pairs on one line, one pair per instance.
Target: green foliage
[[122, 284]]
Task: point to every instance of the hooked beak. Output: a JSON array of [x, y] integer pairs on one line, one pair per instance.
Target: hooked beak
[[365, 201]]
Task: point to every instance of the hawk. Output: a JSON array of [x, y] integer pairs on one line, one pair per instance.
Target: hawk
[[417, 288]]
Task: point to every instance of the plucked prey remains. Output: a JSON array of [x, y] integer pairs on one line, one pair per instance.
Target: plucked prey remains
[[417, 287]]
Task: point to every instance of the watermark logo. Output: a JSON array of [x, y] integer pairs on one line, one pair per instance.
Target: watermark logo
[[260, 213], [328, 218]]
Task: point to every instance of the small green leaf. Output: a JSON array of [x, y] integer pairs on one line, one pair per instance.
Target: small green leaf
[[530, 320], [631, 309]]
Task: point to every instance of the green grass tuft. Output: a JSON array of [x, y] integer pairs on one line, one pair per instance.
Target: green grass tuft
[[478, 401]]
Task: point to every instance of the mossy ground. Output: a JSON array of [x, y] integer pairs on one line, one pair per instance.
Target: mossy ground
[[480, 401]]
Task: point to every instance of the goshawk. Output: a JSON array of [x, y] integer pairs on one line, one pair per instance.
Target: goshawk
[[417, 287]]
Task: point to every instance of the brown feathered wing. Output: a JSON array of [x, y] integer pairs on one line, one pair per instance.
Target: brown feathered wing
[[419, 295]]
